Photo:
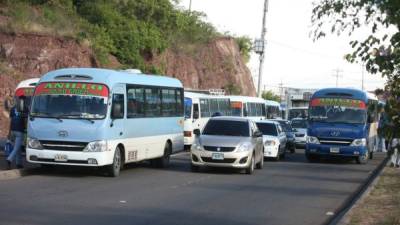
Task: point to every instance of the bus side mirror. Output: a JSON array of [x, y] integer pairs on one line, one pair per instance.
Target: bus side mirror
[[195, 115], [196, 132], [116, 111]]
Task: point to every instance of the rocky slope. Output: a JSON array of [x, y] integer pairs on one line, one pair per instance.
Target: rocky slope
[[215, 65]]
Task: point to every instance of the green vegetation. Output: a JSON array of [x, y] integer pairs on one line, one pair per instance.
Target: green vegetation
[[269, 95], [132, 30], [379, 51]]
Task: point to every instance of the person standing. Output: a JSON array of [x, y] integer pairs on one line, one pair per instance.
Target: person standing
[[383, 121], [16, 135]]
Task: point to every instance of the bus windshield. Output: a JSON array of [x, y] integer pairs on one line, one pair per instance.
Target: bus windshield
[[338, 111], [70, 100]]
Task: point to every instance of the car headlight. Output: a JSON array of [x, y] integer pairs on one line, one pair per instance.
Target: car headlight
[[312, 140], [270, 143], [34, 143], [96, 146], [196, 146], [359, 142], [244, 147]]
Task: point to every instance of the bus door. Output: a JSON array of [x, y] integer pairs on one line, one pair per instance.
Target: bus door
[[196, 116], [116, 129]]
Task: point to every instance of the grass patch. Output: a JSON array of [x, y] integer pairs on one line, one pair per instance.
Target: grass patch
[[382, 206]]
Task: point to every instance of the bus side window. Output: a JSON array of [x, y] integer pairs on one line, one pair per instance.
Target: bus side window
[[117, 111]]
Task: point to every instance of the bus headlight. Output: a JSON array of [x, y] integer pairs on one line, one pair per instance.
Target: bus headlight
[[244, 147], [34, 143], [359, 142], [96, 146], [270, 143], [312, 140]]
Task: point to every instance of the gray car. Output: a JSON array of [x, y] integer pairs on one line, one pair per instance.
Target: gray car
[[233, 142]]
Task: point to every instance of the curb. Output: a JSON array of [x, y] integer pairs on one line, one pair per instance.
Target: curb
[[345, 210], [14, 174]]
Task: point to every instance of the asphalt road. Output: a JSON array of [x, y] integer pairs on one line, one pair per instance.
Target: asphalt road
[[287, 192]]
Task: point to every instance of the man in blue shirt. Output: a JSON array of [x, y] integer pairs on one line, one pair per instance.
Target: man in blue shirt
[[16, 133]]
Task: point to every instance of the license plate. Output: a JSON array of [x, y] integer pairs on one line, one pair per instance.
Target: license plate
[[61, 158], [217, 156], [335, 150]]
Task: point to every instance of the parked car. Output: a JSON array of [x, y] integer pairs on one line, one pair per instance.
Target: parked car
[[274, 139], [300, 128], [287, 128], [233, 142]]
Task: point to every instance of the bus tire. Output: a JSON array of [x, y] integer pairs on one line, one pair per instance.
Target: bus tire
[[250, 169], [362, 159], [114, 169], [163, 161]]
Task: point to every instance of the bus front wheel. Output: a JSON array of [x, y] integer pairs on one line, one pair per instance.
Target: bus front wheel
[[114, 169], [362, 159]]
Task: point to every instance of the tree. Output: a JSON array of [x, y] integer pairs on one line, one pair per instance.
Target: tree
[[269, 95], [379, 51]]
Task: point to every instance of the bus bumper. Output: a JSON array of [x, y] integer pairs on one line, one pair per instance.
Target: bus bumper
[[54, 157], [334, 150]]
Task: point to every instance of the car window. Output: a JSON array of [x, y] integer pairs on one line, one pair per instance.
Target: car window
[[227, 128], [268, 129], [299, 124]]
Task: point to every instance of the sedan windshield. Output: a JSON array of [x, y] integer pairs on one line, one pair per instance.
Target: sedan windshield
[[267, 129], [70, 100], [302, 124], [227, 128]]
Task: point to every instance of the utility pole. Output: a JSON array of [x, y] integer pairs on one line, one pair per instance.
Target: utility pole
[[260, 48], [362, 76], [190, 6], [337, 74], [280, 90]]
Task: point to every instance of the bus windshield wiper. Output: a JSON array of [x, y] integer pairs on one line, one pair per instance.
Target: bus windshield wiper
[[78, 116], [45, 115]]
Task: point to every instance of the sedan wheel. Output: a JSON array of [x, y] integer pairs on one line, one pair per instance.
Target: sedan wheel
[[250, 169]]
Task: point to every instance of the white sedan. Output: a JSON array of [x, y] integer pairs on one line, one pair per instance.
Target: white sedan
[[274, 139]]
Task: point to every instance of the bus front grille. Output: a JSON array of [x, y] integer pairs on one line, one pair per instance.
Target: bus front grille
[[63, 145], [338, 142]]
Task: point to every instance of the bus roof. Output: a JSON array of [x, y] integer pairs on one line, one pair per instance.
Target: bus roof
[[189, 94], [29, 83], [109, 77], [246, 99], [342, 92], [272, 103]]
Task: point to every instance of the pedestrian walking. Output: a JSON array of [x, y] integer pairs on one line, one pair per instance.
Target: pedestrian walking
[[16, 135], [383, 122], [395, 158]]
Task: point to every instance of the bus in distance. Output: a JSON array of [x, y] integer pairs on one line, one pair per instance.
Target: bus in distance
[[199, 108], [245, 106]]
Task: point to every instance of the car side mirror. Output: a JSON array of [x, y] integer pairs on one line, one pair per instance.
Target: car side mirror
[[196, 132], [294, 130], [195, 115], [116, 111]]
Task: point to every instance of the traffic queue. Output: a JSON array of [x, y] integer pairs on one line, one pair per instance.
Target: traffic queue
[[108, 118]]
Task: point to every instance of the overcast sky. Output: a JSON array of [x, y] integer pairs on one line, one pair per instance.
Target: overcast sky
[[291, 55]]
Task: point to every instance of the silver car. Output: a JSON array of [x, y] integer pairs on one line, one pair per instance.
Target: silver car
[[228, 142]]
